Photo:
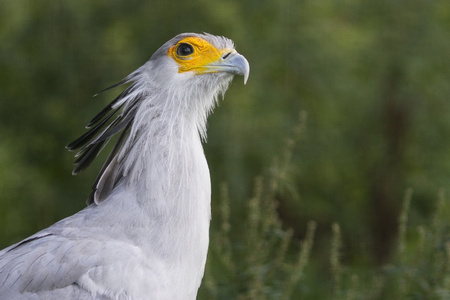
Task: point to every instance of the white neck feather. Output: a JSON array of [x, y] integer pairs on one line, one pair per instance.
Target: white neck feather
[[161, 172], [168, 165]]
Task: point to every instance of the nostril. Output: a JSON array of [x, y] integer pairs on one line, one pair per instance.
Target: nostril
[[226, 55]]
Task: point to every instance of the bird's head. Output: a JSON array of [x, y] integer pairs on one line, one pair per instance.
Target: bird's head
[[199, 58]]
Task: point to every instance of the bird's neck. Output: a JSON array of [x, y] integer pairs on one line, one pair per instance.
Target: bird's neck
[[166, 187], [167, 162], [171, 183]]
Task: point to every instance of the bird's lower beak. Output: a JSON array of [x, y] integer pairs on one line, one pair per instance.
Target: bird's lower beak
[[230, 62]]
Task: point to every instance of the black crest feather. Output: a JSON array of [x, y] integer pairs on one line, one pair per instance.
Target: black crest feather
[[102, 129]]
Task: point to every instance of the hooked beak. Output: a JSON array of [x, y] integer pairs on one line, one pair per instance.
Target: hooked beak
[[231, 62]]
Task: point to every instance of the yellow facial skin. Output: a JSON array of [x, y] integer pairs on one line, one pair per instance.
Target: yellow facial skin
[[202, 55]]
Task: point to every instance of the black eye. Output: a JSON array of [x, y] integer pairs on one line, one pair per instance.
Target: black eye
[[185, 50]]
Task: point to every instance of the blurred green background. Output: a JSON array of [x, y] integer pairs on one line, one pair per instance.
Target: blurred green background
[[372, 78]]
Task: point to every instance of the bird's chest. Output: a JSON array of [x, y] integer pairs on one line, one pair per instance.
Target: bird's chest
[[175, 238], [159, 258], [165, 214]]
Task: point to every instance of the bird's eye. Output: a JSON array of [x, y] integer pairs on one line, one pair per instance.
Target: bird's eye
[[185, 50]]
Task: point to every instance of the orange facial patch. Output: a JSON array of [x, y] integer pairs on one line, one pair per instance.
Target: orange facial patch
[[193, 54]]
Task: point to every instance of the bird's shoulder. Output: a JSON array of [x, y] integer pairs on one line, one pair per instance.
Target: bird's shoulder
[[65, 258]]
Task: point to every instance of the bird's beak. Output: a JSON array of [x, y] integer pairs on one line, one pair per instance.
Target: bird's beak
[[231, 62]]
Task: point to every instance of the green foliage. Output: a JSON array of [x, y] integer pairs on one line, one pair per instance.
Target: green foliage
[[254, 266], [260, 260]]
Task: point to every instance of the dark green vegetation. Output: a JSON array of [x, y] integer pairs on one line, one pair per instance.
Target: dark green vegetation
[[312, 210]]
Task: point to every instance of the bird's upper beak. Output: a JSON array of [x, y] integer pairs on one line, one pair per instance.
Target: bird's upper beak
[[231, 62]]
